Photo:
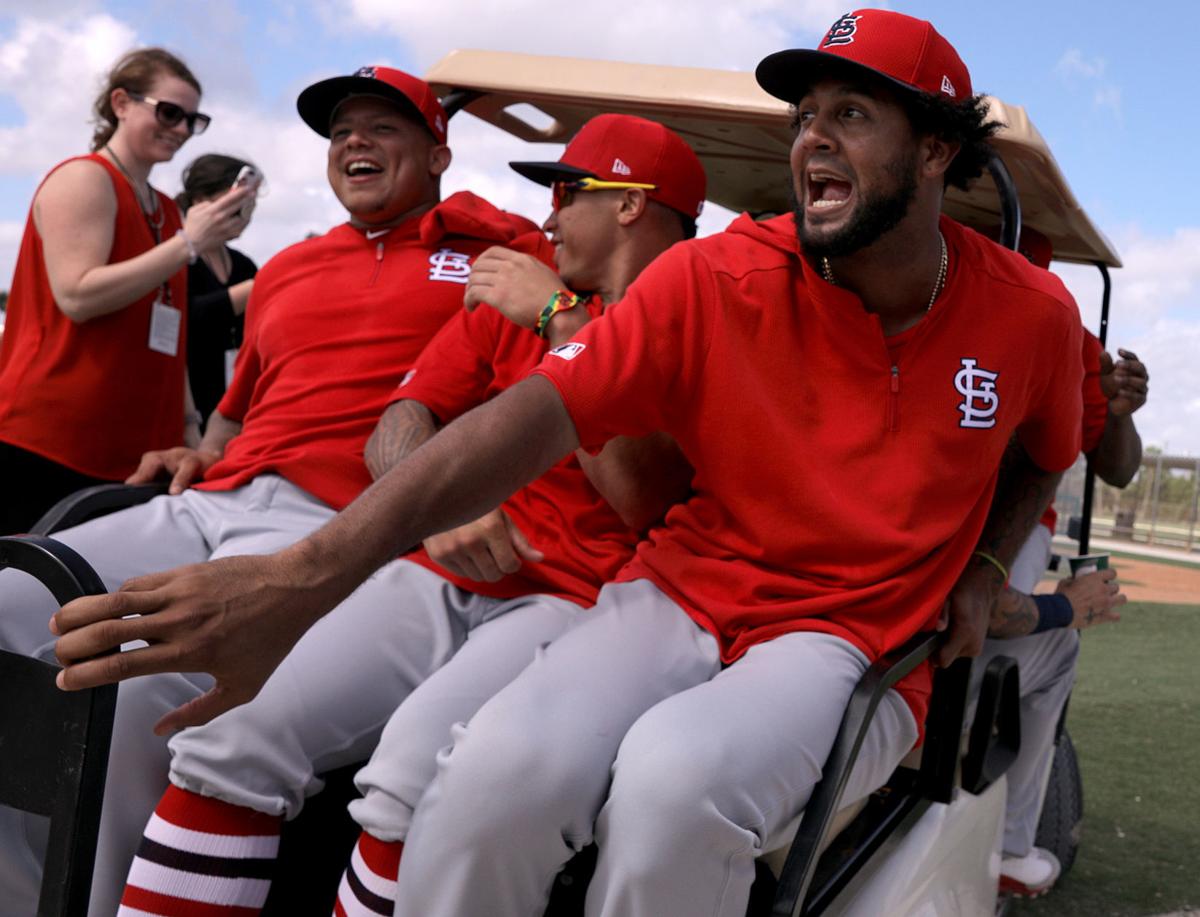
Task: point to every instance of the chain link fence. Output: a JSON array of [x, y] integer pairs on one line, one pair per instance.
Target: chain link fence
[[1159, 507]]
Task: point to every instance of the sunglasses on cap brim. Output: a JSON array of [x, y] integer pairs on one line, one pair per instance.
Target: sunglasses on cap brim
[[561, 191], [168, 114]]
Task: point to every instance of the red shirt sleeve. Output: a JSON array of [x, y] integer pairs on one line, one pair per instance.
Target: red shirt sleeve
[[1050, 431], [629, 374], [454, 371], [1095, 405]]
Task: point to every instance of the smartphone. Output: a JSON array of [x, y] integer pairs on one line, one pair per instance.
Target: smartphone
[[248, 177]]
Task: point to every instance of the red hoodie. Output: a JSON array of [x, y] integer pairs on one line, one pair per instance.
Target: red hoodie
[[842, 478], [332, 326]]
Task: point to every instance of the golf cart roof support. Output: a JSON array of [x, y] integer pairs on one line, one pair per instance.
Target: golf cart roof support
[[1010, 201], [1089, 478]]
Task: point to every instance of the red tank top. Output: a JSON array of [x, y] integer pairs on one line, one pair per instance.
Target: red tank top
[[92, 396]]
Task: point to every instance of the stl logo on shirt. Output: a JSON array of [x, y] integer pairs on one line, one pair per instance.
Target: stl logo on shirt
[[447, 264], [978, 388], [568, 351]]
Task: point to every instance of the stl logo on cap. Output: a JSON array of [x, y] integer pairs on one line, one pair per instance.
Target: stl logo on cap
[[368, 72], [842, 31]]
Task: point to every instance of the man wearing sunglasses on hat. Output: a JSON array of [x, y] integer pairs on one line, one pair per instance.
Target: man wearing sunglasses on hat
[[332, 325], [845, 381]]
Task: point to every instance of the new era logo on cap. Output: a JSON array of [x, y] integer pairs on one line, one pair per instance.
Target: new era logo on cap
[[620, 168], [947, 86]]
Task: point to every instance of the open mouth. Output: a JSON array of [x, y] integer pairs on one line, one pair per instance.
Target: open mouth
[[362, 167], [827, 191]]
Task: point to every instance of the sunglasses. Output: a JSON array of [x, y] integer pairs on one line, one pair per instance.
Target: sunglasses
[[563, 192], [169, 114]]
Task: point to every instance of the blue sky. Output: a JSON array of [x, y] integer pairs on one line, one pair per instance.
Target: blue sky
[[1109, 85]]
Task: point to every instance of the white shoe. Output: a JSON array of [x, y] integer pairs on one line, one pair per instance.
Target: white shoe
[[1031, 875]]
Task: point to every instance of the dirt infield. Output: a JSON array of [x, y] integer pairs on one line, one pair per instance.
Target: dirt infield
[[1147, 581]]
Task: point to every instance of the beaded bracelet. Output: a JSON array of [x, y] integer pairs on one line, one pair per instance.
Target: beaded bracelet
[[560, 301], [994, 562]]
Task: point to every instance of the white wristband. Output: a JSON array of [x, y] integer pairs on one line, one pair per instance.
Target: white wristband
[[192, 255]]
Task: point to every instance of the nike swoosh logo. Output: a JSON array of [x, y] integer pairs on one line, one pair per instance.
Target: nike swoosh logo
[[376, 233]]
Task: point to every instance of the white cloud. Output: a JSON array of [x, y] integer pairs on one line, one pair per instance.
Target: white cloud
[[52, 71], [1171, 416], [1075, 69], [702, 33], [1073, 64], [1155, 312]]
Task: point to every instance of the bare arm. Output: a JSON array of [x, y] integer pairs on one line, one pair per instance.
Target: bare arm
[[75, 211], [404, 426], [1125, 383], [194, 618], [641, 477], [1093, 598], [1022, 495], [239, 295], [184, 464]]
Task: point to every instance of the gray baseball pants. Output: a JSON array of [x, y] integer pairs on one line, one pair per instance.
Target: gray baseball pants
[[266, 515], [628, 730], [1046, 663], [326, 704]]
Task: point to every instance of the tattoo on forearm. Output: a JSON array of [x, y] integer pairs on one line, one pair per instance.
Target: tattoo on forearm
[[1014, 614], [404, 426]]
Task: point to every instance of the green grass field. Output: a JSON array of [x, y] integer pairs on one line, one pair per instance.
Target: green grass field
[[1135, 721]]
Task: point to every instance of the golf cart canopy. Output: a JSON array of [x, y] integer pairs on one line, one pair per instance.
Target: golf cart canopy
[[743, 135]]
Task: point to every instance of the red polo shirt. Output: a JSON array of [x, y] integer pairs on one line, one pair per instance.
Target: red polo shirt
[[842, 478], [475, 357], [332, 326]]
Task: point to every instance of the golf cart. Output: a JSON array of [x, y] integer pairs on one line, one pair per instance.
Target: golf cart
[[928, 842]]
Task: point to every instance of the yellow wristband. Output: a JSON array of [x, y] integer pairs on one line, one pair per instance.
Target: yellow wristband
[[994, 562]]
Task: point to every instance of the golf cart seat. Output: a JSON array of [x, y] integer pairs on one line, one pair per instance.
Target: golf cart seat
[[54, 764], [313, 847]]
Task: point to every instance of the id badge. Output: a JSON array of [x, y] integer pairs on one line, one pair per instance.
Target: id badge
[[230, 363], [165, 322]]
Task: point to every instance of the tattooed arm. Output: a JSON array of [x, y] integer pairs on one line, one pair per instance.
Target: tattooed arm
[[1022, 494], [404, 426], [1093, 598]]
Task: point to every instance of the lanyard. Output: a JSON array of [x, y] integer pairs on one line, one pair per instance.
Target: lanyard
[[155, 227]]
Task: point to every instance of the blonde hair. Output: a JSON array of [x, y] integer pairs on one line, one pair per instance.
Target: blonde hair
[[135, 72]]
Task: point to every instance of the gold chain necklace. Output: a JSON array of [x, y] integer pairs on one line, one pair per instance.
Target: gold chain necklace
[[827, 272]]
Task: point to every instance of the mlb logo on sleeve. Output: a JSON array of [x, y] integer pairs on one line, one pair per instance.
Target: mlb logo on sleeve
[[568, 351]]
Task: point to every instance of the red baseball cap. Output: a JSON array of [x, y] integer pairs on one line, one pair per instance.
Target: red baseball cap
[[906, 51], [626, 148], [319, 101]]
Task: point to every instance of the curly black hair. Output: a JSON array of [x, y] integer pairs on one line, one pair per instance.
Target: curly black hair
[[964, 123]]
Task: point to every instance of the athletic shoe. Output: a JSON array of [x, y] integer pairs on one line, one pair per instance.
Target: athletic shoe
[[1029, 876]]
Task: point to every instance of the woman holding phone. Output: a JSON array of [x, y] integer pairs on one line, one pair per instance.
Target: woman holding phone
[[92, 365], [219, 283]]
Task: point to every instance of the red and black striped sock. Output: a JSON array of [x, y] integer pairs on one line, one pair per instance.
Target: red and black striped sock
[[201, 857], [368, 886]]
